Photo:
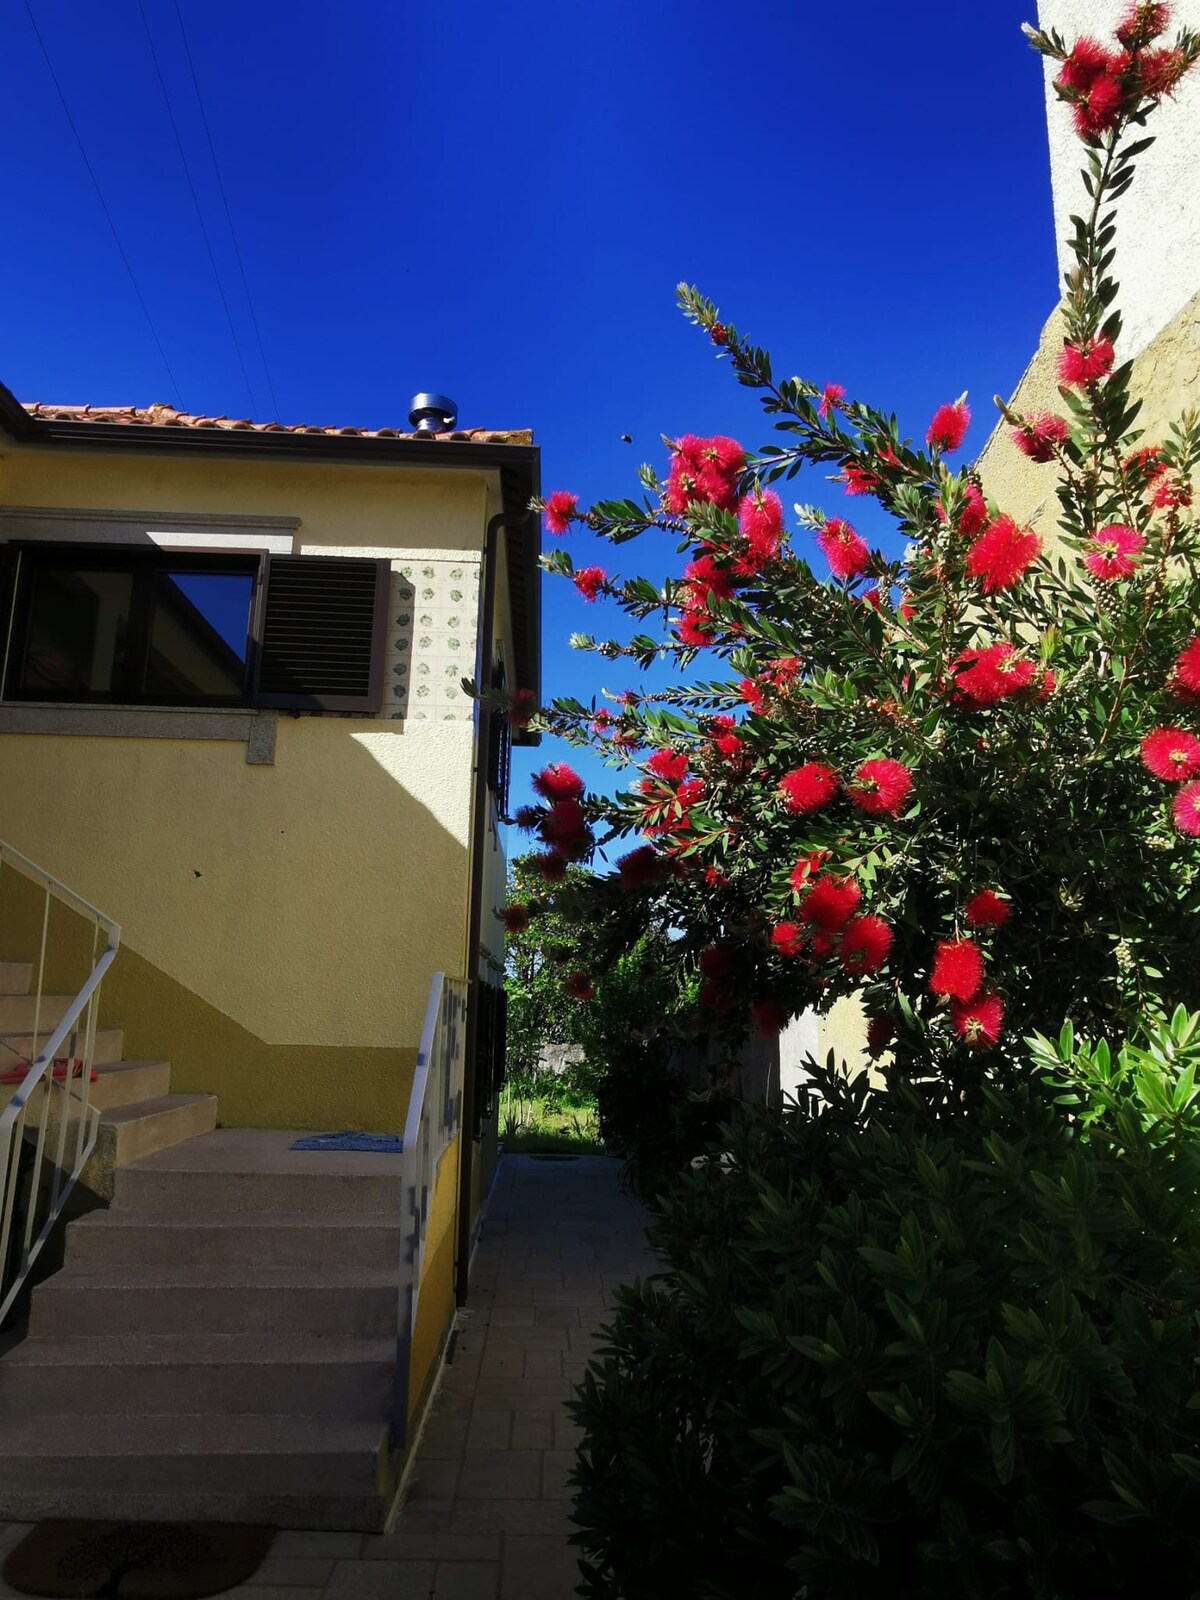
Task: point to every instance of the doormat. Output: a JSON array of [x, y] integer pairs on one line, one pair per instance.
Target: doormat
[[380, 1144], [135, 1560]]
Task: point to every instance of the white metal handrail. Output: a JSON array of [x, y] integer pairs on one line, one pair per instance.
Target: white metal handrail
[[434, 1115], [38, 1169]]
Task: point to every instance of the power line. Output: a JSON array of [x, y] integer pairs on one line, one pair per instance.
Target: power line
[[196, 203], [228, 213], [103, 204]]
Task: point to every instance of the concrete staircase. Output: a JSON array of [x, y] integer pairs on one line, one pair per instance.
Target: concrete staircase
[[219, 1344], [139, 1114]]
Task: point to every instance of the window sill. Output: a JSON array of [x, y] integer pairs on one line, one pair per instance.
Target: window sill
[[237, 724]]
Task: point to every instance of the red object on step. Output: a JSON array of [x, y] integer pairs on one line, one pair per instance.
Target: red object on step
[[19, 1072]]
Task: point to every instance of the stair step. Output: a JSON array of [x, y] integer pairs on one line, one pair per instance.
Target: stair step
[[110, 1045], [255, 1170], [19, 1012], [138, 1130], [224, 1374], [270, 1238], [182, 1454], [121, 1083], [15, 977], [156, 1299], [324, 1510]]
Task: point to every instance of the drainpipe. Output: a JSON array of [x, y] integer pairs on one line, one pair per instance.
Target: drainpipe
[[480, 801]]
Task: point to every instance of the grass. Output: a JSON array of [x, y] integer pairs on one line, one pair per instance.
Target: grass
[[534, 1125]]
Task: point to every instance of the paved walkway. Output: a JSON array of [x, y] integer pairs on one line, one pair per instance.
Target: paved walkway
[[485, 1516]]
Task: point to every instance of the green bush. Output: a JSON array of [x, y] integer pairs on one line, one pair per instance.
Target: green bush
[[917, 1342]]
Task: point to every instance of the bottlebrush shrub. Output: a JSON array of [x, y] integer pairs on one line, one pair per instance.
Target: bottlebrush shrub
[[904, 1348], [910, 734]]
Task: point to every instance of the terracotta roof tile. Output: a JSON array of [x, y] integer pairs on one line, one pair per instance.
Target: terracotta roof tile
[[168, 417]]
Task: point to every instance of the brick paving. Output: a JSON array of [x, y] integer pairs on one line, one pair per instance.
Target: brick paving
[[485, 1512]]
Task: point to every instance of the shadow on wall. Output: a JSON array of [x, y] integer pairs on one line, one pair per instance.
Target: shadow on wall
[[280, 924]]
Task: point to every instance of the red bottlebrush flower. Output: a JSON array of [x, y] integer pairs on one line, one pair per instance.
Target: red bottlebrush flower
[[808, 788], [1086, 62], [557, 782], [769, 1017], [704, 471], [974, 514], [831, 397], [590, 580], [1158, 72], [639, 867], [669, 765], [866, 944], [689, 792], [1167, 493], [857, 479], [561, 510], [1172, 754], [806, 869], [527, 817], [515, 918], [844, 549], [880, 787], [705, 581], [521, 707], [788, 938], [722, 723], [552, 868], [716, 963], [978, 1022], [949, 427], [1186, 676], [1079, 366], [602, 721], [760, 519], [906, 611], [565, 828], [783, 671], [1002, 555], [694, 629], [984, 677], [1112, 553], [719, 333], [579, 986], [713, 878], [751, 693], [1099, 111], [1039, 437], [730, 748], [957, 970], [985, 909], [1142, 23], [830, 903], [1185, 810], [880, 1033]]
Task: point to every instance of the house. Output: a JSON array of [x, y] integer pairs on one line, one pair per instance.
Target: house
[[1157, 265], [232, 722]]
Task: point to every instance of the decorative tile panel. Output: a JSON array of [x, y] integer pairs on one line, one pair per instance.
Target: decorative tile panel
[[432, 627]]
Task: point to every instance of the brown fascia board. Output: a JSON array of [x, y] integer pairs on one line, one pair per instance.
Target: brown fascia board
[[518, 465]]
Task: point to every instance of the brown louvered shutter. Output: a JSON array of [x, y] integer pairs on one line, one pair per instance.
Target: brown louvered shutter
[[321, 633]]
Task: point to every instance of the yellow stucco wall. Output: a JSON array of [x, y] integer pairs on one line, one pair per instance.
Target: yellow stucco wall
[[281, 923], [435, 1308]]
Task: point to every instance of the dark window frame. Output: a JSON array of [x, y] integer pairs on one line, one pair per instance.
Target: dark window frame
[[24, 559]]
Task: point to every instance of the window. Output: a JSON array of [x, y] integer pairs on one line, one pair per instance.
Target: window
[[131, 625]]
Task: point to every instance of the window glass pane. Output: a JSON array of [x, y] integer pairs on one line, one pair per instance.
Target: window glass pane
[[78, 633], [198, 635]]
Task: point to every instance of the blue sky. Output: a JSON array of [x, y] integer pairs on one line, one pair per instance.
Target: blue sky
[[497, 202]]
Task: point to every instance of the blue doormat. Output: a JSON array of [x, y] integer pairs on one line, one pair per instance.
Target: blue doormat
[[380, 1144]]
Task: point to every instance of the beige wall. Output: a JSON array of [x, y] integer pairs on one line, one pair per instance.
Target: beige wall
[[302, 906]]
